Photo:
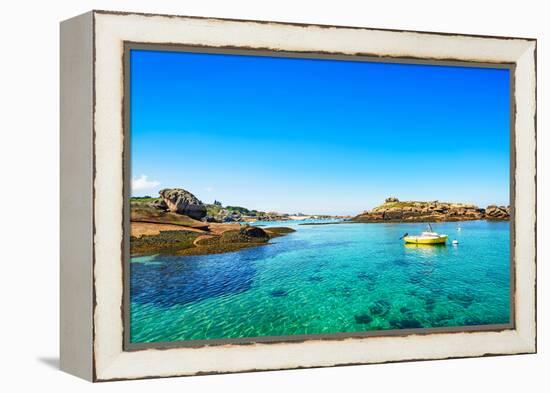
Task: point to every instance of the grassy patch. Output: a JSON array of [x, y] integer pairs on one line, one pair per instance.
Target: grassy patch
[[238, 209], [213, 210], [144, 199], [400, 205]]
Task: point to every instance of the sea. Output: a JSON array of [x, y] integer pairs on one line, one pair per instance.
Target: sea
[[325, 279]]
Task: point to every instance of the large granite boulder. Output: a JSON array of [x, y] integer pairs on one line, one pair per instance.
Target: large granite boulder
[[180, 201]]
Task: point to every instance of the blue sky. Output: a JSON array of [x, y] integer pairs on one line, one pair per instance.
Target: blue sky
[[317, 136]]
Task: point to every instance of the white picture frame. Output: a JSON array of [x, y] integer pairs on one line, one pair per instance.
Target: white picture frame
[[93, 194]]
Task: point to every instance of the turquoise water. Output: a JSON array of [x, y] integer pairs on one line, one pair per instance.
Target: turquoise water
[[326, 279]]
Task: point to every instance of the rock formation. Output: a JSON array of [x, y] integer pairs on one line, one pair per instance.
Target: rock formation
[[228, 215], [409, 211], [180, 201], [254, 232], [159, 204], [494, 212]]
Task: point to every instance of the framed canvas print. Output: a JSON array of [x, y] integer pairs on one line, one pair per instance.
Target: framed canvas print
[[245, 195]]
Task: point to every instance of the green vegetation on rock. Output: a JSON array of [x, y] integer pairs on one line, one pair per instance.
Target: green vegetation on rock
[[143, 199], [393, 210], [218, 211], [194, 243], [166, 242]]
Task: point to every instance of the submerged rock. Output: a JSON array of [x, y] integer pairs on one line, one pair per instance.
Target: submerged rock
[[442, 319], [278, 293], [363, 319], [405, 324], [430, 304]]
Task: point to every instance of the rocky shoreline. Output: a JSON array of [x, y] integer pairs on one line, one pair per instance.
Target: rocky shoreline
[[393, 210], [187, 242], [182, 202], [176, 223]]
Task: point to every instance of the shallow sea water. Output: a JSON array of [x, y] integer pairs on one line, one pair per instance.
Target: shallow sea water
[[325, 279]]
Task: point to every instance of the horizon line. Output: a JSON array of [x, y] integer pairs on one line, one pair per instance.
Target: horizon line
[[302, 212]]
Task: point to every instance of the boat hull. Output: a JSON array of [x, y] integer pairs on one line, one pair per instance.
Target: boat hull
[[425, 240]]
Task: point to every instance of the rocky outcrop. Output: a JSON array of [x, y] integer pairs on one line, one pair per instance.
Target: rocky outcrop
[[185, 241], [159, 204], [254, 232], [494, 212], [411, 211], [180, 201], [225, 215]]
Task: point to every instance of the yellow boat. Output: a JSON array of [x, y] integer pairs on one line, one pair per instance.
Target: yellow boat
[[428, 237]]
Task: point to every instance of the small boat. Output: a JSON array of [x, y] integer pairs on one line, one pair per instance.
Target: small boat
[[428, 237]]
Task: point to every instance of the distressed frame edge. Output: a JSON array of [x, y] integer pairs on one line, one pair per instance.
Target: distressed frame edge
[[528, 129], [528, 347], [304, 24], [76, 211]]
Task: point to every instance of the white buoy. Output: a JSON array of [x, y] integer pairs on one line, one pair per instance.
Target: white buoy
[[455, 242]]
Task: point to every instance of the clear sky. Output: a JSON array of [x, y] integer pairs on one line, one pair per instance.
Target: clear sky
[[317, 136]]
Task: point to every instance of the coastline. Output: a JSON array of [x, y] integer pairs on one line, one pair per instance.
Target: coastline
[[373, 280], [394, 210], [398, 221], [168, 239], [178, 223]]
